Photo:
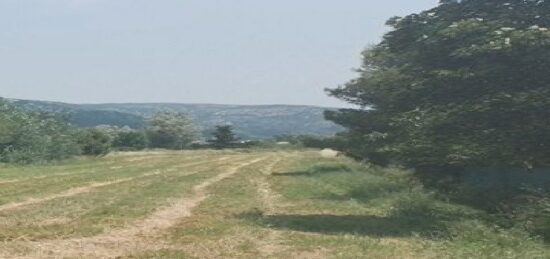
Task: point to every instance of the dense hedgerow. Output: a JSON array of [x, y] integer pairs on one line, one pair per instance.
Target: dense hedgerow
[[27, 137]]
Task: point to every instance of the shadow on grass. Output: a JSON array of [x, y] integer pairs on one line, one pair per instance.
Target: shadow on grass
[[318, 170], [365, 225], [366, 191]]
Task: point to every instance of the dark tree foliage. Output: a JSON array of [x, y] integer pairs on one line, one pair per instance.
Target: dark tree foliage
[[465, 83], [312, 141], [94, 142], [130, 140], [223, 136]]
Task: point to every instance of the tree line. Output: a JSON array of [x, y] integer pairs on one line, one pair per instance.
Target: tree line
[[33, 137]]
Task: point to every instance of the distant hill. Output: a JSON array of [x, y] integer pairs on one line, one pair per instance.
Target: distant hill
[[250, 121]]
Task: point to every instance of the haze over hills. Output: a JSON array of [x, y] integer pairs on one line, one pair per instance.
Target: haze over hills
[[250, 121]]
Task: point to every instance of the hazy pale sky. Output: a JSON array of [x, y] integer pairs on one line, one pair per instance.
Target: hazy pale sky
[[193, 51]]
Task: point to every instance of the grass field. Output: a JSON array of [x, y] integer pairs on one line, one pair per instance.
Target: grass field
[[239, 204]]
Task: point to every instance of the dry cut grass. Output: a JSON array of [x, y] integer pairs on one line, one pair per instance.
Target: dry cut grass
[[239, 204]]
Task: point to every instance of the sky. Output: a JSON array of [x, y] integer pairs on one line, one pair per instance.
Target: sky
[[188, 51]]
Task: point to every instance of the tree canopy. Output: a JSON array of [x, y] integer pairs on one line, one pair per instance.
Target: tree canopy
[[27, 137], [465, 83], [223, 136], [173, 130], [94, 142]]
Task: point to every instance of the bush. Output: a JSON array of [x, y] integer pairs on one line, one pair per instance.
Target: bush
[[94, 142], [130, 140], [172, 130], [224, 137], [27, 137]]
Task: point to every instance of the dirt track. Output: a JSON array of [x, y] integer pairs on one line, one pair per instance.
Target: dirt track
[[140, 235]]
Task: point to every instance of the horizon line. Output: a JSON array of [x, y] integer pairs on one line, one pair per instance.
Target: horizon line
[[171, 102]]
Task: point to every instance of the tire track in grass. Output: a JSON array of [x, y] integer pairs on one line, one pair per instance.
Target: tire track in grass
[[78, 217], [265, 192], [140, 236], [270, 244], [9, 181], [23, 191], [88, 170], [70, 192], [85, 189], [263, 241]]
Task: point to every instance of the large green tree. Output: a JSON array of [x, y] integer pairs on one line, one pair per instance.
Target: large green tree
[[27, 137], [465, 83], [223, 136], [172, 130], [130, 140], [94, 142]]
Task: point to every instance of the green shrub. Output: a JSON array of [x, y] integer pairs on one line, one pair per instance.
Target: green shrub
[[27, 137], [94, 142], [130, 140], [171, 130]]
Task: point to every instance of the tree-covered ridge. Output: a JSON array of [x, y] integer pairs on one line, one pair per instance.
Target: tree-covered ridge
[[32, 137], [465, 83], [254, 121]]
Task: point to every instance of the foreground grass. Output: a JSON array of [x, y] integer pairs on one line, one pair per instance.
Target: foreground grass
[[289, 204], [385, 213], [336, 208]]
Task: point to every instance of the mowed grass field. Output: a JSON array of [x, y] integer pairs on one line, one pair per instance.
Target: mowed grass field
[[239, 204]]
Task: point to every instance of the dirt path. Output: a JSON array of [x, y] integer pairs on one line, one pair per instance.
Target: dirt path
[[264, 189], [140, 236], [69, 193], [87, 171], [270, 244], [10, 181], [85, 189], [31, 178]]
